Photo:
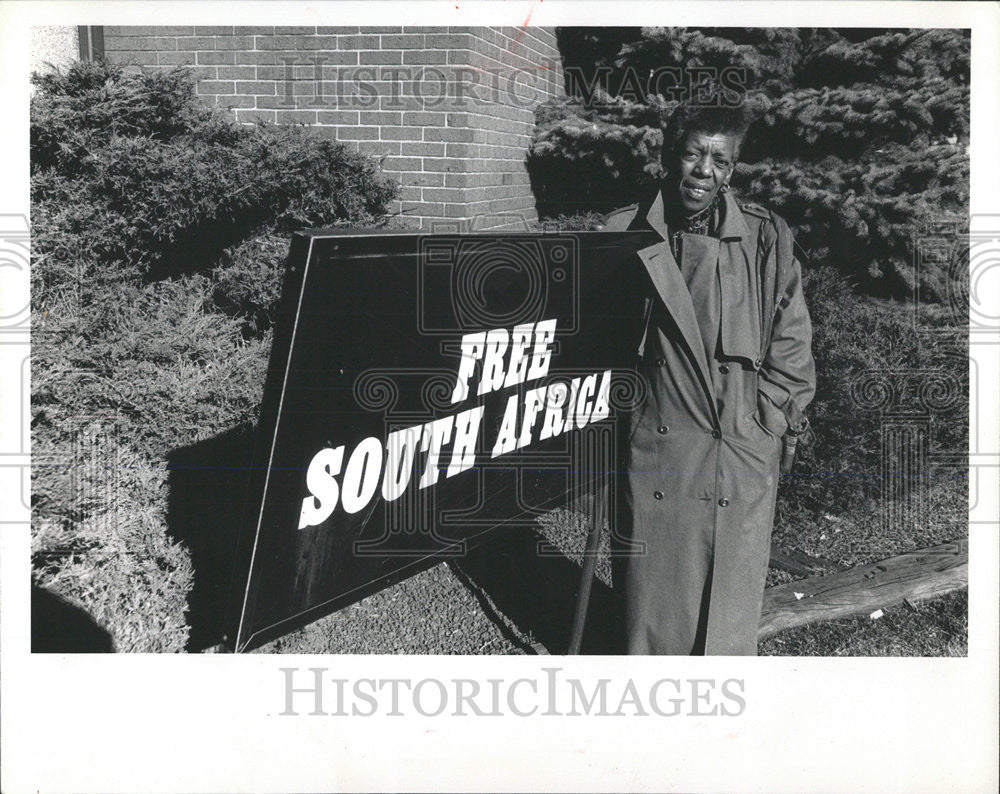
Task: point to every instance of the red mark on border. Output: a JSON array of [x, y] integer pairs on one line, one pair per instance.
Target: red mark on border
[[527, 19]]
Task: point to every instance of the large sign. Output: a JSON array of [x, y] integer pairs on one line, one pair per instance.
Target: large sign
[[425, 391]]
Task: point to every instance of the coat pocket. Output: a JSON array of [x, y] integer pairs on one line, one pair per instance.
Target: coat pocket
[[770, 417]]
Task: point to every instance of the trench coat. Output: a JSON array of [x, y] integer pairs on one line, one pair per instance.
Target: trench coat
[[701, 469]]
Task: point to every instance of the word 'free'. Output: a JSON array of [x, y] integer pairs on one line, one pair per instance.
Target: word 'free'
[[505, 358]]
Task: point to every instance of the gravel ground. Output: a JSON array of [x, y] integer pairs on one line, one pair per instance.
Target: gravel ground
[[458, 607], [516, 593], [432, 612]]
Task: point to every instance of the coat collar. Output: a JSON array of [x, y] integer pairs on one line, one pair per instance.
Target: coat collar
[[670, 286], [654, 216], [732, 227], [740, 328]]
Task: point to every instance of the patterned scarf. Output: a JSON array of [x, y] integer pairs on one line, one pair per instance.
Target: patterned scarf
[[704, 222], [700, 222]]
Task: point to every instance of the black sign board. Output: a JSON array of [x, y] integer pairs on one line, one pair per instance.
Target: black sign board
[[424, 391]]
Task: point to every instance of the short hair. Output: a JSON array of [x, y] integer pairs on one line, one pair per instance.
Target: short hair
[[711, 118]]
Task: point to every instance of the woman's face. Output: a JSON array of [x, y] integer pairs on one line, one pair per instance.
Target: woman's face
[[703, 164]]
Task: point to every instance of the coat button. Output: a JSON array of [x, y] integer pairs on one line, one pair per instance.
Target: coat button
[[724, 369], [661, 362], [716, 434], [657, 494], [723, 502], [662, 430]]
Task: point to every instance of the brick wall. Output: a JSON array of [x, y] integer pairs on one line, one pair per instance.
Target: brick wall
[[449, 109]]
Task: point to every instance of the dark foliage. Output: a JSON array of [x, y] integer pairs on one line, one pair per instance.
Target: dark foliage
[[860, 137], [132, 176], [155, 220]]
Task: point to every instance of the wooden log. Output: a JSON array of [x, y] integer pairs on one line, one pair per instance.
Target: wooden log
[[912, 577]]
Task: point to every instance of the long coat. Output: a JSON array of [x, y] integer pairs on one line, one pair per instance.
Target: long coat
[[705, 443]]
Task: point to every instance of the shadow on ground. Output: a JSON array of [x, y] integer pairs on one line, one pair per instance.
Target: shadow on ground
[[208, 497], [57, 626], [536, 593]]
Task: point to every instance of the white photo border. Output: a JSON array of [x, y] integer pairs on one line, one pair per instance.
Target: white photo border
[[121, 722]]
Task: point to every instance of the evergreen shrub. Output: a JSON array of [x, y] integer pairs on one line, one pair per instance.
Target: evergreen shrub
[[860, 137], [131, 171], [159, 237]]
